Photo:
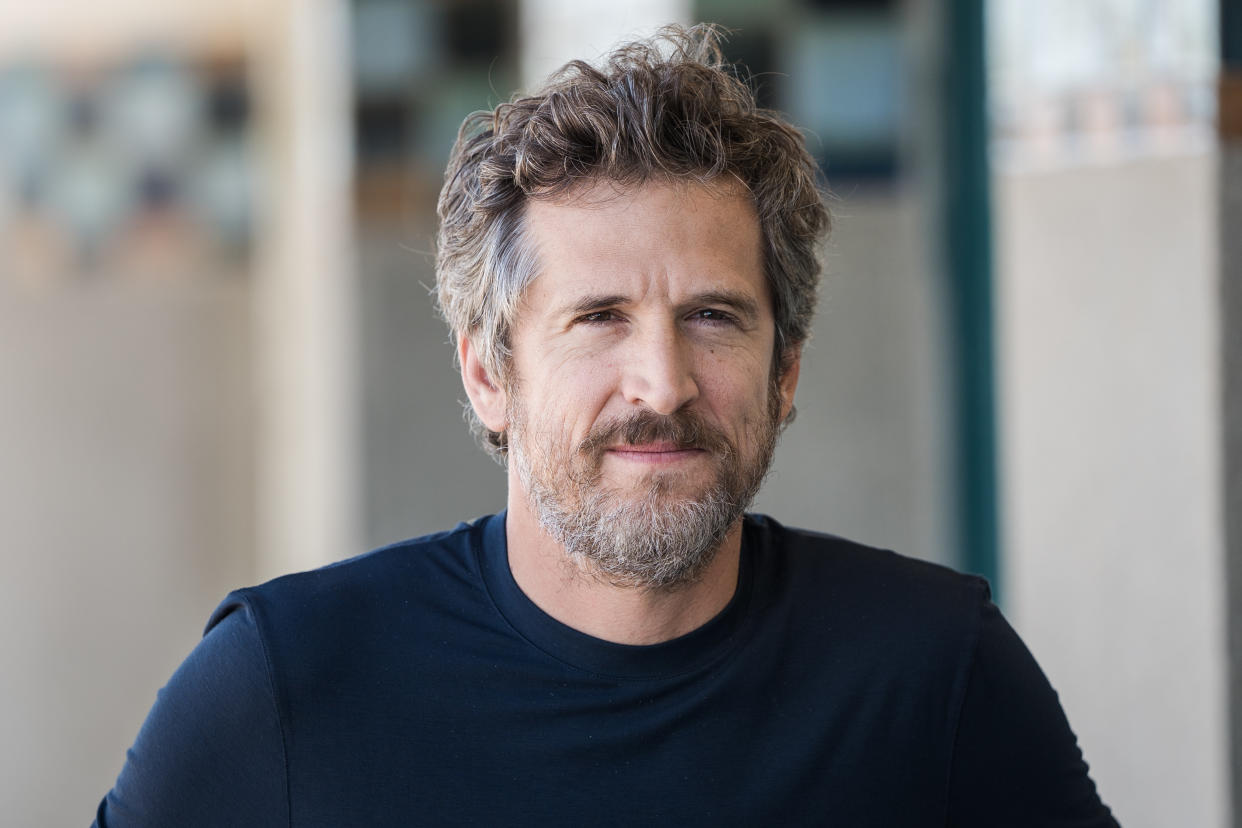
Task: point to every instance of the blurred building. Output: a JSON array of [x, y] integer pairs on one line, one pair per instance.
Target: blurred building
[[220, 360], [1109, 365]]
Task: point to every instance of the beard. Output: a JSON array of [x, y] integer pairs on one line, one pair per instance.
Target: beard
[[653, 533]]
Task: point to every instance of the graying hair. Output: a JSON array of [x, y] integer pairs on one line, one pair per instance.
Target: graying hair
[[666, 108]]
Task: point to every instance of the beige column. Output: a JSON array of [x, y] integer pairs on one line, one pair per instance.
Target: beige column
[[555, 31], [307, 445]]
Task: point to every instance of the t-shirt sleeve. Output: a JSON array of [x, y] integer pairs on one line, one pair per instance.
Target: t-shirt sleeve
[[210, 751], [1015, 761]]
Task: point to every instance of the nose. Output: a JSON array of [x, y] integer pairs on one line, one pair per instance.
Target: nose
[[659, 371]]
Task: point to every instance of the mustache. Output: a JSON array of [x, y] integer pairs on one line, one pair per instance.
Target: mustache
[[685, 429]]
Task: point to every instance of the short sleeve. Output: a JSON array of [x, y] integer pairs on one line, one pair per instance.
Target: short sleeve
[[1015, 761], [210, 751]]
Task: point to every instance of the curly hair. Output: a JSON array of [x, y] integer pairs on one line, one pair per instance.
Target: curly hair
[[667, 108]]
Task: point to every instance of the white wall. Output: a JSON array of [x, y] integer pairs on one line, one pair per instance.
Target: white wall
[[125, 497], [1108, 363], [869, 455]]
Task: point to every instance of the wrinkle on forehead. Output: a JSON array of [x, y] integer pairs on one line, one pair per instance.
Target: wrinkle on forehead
[[565, 230]]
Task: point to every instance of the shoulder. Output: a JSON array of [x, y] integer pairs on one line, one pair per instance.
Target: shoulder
[[413, 575], [842, 582], [836, 562]]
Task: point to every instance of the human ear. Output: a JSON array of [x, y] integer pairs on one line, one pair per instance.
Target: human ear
[[791, 363], [488, 399]]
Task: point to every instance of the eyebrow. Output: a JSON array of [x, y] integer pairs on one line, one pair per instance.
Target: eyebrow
[[594, 302], [741, 303]]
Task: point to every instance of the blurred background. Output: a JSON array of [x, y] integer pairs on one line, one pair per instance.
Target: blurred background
[[219, 360]]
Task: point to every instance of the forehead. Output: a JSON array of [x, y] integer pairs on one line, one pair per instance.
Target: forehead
[[669, 237]]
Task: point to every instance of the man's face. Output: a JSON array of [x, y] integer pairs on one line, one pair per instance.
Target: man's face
[[641, 407]]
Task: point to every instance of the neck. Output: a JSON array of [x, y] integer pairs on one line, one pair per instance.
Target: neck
[[621, 614]]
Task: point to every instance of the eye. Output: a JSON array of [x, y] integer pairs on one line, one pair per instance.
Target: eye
[[599, 317], [714, 316]]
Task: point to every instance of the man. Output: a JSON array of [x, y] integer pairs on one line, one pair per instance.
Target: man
[[627, 263]]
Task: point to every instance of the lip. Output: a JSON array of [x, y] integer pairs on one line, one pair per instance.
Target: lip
[[654, 453]]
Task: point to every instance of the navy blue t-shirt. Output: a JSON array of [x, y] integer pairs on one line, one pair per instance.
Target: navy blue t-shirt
[[418, 685]]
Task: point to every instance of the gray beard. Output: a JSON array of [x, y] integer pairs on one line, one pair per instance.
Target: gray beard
[[651, 541]]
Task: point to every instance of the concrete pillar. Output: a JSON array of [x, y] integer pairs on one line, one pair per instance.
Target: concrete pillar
[[305, 304], [556, 31]]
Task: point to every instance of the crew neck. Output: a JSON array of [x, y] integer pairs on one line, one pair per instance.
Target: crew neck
[[686, 653]]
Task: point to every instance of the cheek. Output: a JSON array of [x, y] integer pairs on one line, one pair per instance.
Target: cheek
[[733, 389], [572, 399]]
